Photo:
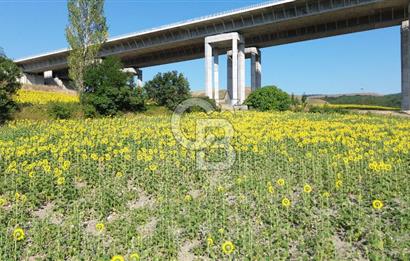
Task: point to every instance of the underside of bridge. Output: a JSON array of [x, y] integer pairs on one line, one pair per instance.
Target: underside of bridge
[[263, 25]]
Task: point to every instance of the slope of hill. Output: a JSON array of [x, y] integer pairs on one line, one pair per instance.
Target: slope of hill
[[391, 100]]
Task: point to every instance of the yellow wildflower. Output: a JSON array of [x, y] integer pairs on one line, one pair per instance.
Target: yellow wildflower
[[307, 188], [286, 202], [377, 204], [280, 182], [117, 258], [18, 234], [228, 247]]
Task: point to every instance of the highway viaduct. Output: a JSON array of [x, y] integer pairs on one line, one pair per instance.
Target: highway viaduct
[[240, 33]]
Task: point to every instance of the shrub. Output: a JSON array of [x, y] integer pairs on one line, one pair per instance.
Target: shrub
[[60, 110], [327, 109], [9, 73], [108, 90], [168, 89], [89, 111], [269, 98]]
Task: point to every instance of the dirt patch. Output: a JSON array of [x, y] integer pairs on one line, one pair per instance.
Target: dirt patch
[[90, 227], [80, 184], [148, 229], [345, 250], [185, 253], [195, 193], [143, 201], [47, 212]]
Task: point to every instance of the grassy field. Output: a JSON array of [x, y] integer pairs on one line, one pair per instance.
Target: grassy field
[[359, 107], [304, 186], [391, 100]]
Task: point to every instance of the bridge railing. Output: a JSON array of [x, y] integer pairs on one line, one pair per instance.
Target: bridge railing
[[198, 19]]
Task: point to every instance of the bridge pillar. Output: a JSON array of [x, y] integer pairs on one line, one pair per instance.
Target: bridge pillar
[[139, 78], [405, 66], [208, 70], [51, 79], [241, 72], [234, 82], [229, 73], [216, 75], [236, 66], [136, 75], [256, 68]]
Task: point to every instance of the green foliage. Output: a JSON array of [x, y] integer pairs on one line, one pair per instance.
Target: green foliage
[[304, 98], [168, 89], [269, 98], [294, 100], [327, 109], [391, 100], [61, 110], [85, 34], [9, 73], [107, 90]]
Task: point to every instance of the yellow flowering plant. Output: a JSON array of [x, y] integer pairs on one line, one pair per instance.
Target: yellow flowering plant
[[304, 180]]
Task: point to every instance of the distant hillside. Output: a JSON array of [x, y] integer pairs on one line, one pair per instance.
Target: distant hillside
[[391, 100]]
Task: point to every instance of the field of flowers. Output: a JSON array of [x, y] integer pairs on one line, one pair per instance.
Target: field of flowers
[[304, 186], [43, 97]]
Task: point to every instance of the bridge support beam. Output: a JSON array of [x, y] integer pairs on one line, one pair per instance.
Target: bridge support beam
[[405, 66], [33, 79], [51, 79], [256, 68], [136, 75], [216, 75], [139, 79], [236, 66]]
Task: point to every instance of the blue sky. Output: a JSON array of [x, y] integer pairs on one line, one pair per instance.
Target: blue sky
[[360, 62]]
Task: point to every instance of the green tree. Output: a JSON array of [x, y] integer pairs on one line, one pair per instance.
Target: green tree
[[9, 73], [108, 90], [304, 98], [168, 89], [2, 53], [86, 32], [269, 98]]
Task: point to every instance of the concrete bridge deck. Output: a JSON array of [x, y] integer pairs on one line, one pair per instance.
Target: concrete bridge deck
[[263, 25]]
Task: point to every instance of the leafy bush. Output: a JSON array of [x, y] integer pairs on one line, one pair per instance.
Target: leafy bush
[[108, 90], [60, 110], [327, 109], [168, 89], [269, 98], [9, 73]]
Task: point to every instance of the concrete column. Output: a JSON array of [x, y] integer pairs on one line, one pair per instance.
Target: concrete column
[[229, 74], [216, 75], [258, 67], [241, 72], [139, 78], [234, 98], [253, 72], [208, 70], [405, 66], [48, 78]]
